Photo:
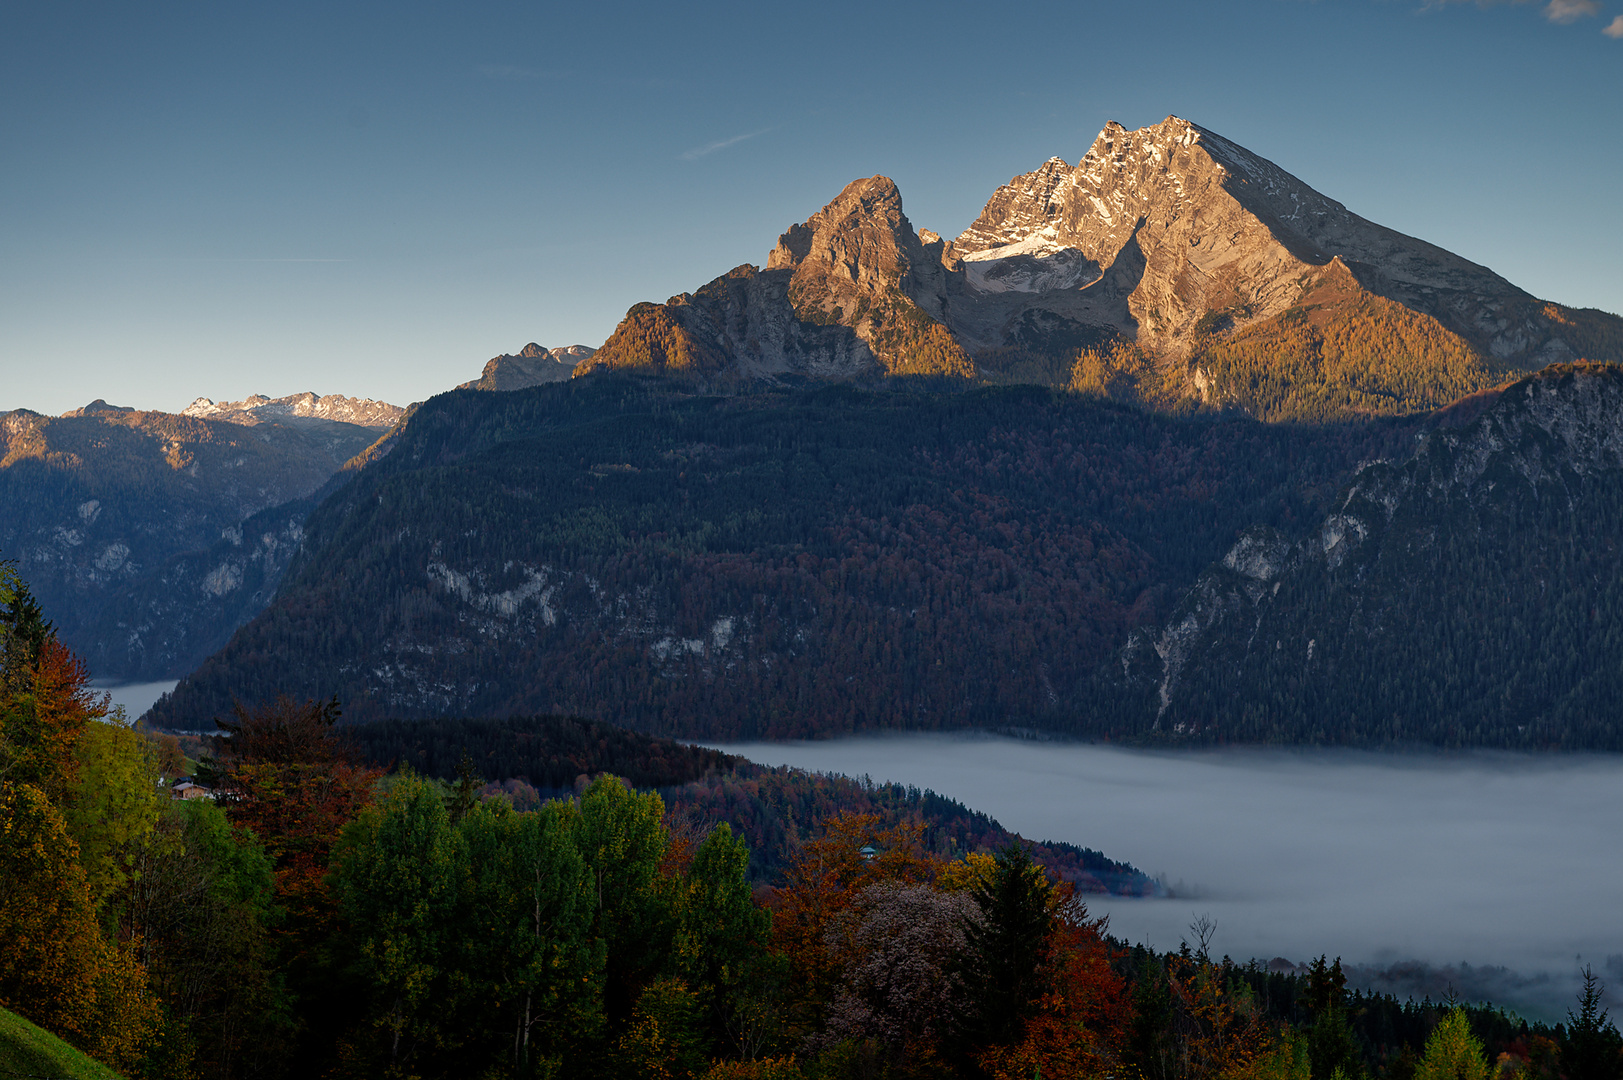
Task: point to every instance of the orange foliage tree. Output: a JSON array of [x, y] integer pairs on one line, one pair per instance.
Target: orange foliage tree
[[823, 882], [284, 773], [1085, 1013]]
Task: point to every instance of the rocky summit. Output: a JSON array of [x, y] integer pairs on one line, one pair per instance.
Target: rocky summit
[[530, 366], [1169, 264], [852, 290]]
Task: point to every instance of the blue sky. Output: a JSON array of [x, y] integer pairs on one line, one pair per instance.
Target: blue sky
[[219, 200]]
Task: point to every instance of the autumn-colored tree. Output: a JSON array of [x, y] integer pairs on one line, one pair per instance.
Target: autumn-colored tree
[[43, 715], [1195, 1019], [1453, 1052], [56, 968], [824, 879], [897, 946], [285, 774], [1083, 1020]]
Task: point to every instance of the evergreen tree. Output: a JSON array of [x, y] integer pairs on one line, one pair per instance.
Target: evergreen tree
[[1593, 1049], [1331, 1045], [1005, 947]]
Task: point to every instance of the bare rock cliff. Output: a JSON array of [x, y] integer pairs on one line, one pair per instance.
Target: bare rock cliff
[[851, 291]]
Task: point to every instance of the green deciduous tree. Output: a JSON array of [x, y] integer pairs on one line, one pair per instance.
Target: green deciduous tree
[[112, 805], [400, 871], [526, 931], [622, 838], [721, 933]]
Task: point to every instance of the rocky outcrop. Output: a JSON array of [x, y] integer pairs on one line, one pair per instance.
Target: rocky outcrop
[[1234, 284], [258, 409], [530, 366], [851, 291]]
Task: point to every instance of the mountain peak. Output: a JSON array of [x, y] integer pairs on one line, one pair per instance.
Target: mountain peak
[[1190, 259], [850, 290], [530, 366]]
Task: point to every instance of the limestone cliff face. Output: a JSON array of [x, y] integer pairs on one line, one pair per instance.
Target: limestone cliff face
[[104, 504], [1204, 226], [1237, 284], [851, 291]]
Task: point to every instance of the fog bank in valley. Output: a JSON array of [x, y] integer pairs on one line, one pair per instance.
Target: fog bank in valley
[[1493, 873]]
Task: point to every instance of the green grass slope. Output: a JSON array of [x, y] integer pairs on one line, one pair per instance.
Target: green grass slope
[[29, 1050]]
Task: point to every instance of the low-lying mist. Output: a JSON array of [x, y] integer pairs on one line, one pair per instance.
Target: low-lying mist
[[1495, 875]]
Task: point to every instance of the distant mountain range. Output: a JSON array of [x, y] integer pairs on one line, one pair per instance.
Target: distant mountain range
[[1168, 266], [362, 412], [149, 536]]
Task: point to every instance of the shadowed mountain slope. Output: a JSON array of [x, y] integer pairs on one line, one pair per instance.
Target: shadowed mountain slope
[[772, 565], [98, 504], [1470, 595]]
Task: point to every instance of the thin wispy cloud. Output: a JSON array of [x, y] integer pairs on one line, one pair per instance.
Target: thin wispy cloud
[[515, 73], [1561, 12], [1570, 11], [719, 144]]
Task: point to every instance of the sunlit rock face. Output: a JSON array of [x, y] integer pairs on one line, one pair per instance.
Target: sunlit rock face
[[1188, 222], [1170, 238]]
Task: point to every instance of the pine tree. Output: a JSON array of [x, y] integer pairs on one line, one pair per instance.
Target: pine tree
[[1003, 969], [1593, 1049]]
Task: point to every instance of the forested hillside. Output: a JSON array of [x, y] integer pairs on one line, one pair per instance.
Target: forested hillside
[[1471, 595], [782, 564], [324, 919], [776, 811]]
